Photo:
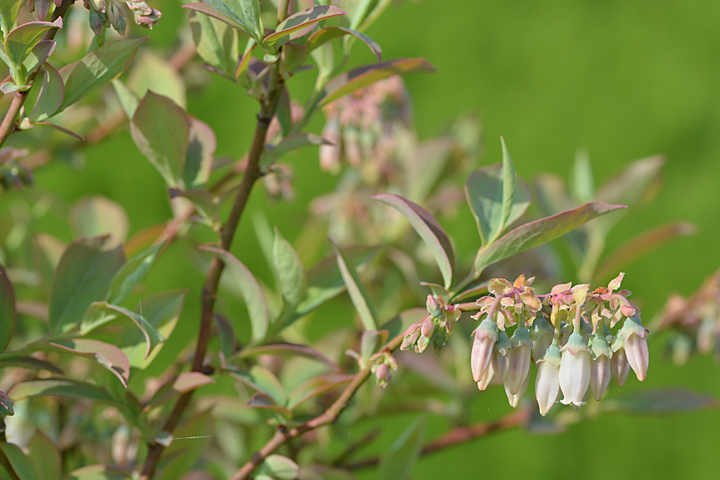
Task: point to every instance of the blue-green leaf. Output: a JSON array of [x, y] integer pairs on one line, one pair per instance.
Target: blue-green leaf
[[290, 272], [21, 40], [358, 294], [398, 461], [131, 274], [51, 95], [22, 465]]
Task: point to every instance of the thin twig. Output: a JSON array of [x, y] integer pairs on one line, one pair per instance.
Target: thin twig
[[227, 234], [459, 435]]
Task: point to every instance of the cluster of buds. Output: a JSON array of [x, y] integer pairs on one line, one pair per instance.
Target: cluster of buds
[[13, 175], [382, 366], [107, 13], [42, 7], [566, 333], [694, 321], [435, 328], [363, 128]]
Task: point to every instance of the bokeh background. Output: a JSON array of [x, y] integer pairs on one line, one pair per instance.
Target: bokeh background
[[621, 79]]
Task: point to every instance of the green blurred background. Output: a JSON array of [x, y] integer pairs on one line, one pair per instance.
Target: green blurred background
[[622, 79]]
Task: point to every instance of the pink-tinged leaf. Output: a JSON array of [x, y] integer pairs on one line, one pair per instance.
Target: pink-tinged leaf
[[107, 355], [8, 15], [429, 230], [541, 231], [7, 309], [198, 159], [23, 467], [38, 55], [96, 472], [641, 245], [21, 40], [326, 34], [289, 349], [51, 95], [358, 294], [251, 291], [182, 383], [63, 130], [161, 131], [97, 69], [83, 276], [264, 381], [316, 386], [367, 75], [208, 10], [245, 61], [301, 20], [659, 402], [30, 363], [57, 387]]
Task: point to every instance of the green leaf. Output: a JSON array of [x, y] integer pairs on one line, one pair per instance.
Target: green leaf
[[205, 204], [316, 386], [659, 401], [62, 388], [21, 40], [279, 468], [161, 131], [541, 231], [152, 72], [30, 363], [581, 182], [97, 215], [7, 309], [323, 35], [22, 465], [244, 14], [493, 208], [107, 355], [131, 274], [429, 230], [199, 156], [159, 315], [8, 14], [356, 289], [366, 12], [288, 349], [126, 97], [82, 277], [182, 383], [37, 56], [192, 438], [51, 94], [263, 380], [367, 75], [290, 271], [96, 472], [251, 291], [97, 69], [45, 455], [210, 11], [398, 461], [301, 20], [324, 280], [216, 43]]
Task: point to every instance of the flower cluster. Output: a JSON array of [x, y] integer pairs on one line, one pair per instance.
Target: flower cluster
[[694, 321], [106, 13], [567, 334], [436, 327]]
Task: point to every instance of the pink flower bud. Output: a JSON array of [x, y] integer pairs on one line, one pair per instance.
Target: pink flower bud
[[575, 370], [485, 337], [547, 382], [636, 347], [428, 327]]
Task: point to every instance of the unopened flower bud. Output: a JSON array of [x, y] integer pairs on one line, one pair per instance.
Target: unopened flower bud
[[428, 327], [547, 382], [500, 359], [619, 362], [422, 344], [575, 370], [514, 398], [541, 334], [382, 373], [411, 336], [433, 307], [518, 359], [636, 347], [485, 337], [486, 378], [600, 372]]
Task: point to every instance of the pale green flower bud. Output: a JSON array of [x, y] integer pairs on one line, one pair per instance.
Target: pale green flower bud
[[485, 337], [500, 359], [547, 382], [575, 370], [519, 359]]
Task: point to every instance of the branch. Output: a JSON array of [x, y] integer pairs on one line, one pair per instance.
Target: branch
[[7, 127], [283, 435], [227, 234], [459, 435]]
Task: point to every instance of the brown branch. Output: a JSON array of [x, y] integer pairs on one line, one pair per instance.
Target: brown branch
[[227, 234], [283, 435], [8, 125], [459, 435]]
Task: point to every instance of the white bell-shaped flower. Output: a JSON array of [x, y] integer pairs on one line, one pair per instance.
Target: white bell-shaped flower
[[619, 363], [600, 372], [514, 398], [486, 378], [547, 382], [575, 370], [518, 359], [500, 359], [485, 337], [541, 334], [636, 347]]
